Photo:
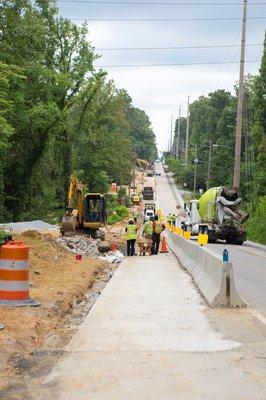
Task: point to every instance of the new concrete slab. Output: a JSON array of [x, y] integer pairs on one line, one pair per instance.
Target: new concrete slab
[[148, 337]]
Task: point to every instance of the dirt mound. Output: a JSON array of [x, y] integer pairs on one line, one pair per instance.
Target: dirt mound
[[57, 281]]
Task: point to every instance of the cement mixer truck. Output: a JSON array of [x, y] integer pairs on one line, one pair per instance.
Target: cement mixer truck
[[218, 213]]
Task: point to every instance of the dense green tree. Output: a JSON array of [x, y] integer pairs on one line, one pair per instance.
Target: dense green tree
[[62, 117]]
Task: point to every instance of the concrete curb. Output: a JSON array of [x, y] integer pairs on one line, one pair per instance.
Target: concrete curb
[[213, 277]]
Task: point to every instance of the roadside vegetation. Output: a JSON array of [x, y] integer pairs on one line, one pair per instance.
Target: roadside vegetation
[[213, 118], [58, 114]]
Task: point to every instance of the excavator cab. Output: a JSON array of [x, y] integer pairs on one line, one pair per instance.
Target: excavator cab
[[94, 211], [83, 211]]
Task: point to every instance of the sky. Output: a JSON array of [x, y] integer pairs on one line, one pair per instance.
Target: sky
[[160, 90]]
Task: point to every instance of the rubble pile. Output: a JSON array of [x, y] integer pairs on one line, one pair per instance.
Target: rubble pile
[[79, 244]]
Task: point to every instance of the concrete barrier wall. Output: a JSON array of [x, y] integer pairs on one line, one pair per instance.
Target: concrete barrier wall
[[213, 277]]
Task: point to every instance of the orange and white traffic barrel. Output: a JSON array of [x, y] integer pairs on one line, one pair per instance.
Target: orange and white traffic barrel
[[14, 275]]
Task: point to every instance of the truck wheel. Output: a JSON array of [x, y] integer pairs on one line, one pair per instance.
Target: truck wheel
[[212, 237]]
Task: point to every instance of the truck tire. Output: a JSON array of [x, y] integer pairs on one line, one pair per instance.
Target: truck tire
[[211, 236]]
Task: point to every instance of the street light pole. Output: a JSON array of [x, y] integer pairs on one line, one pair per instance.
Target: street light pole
[[236, 182], [209, 165]]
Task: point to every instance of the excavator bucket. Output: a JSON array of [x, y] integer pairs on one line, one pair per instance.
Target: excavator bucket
[[68, 224]]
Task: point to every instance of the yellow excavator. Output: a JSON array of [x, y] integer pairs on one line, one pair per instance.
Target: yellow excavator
[[83, 211]]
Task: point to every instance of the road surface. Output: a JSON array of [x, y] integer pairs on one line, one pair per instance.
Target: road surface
[[249, 260]]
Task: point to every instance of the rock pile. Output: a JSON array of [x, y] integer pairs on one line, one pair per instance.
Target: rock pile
[[80, 244]]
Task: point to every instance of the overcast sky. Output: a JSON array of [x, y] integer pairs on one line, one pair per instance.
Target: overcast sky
[[160, 90]]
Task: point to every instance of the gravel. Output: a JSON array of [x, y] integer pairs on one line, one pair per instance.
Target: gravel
[[37, 225], [79, 244]]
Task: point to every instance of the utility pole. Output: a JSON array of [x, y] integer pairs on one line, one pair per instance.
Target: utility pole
[[178, 132], [171, 135], [186, 151], [195, 170], [209, 165], [236, 182]]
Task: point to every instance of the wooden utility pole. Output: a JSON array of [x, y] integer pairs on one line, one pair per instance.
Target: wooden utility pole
[[186, 151], [171, 135], [236, 182], [195, 169], [178, 132], [209, 165]]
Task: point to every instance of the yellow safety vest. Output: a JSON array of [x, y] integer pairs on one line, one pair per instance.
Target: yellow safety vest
[[148, 228], [131, 232], [158, 227]]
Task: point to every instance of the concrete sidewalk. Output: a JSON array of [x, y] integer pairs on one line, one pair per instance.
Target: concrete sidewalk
[[147, 337]]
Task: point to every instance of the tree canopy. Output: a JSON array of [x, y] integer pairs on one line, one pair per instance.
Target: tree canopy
[[59, 115], [212, 126]]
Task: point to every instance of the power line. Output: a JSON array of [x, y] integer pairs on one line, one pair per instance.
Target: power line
[[132, 3], [172, 48], [173, 64], [163, 19]]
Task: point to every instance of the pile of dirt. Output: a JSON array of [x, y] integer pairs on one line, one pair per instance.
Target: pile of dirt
[[58, 282]]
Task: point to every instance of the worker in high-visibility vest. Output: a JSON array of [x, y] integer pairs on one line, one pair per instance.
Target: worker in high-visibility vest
[[148, 228], [158, 227], [131, 237], [173, 219], [169, 218], [135, 216]]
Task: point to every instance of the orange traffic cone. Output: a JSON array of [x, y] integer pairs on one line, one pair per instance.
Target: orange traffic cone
[[164, 248]]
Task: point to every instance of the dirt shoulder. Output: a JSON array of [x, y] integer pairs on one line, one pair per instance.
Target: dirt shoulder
[[59, 283]]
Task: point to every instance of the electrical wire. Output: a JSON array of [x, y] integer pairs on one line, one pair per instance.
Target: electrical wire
[[132, 3], [173, 64], [162, 19], [172, 48]]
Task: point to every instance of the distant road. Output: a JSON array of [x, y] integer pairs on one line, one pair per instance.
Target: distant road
[[249, 260]]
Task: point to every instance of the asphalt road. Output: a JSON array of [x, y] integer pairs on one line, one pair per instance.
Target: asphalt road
[[249, 260]]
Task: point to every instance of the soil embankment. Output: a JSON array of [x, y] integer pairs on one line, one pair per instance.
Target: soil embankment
[[60, 284]]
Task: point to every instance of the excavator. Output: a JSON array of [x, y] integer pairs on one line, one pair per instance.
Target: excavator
[[83, 211]]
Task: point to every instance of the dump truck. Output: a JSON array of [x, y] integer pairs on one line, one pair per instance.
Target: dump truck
[[148, 193], [221, 216], [83, 211]]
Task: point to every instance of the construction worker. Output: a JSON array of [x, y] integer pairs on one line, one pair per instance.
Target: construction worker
[[169, 218], [135, 216], [158, 227], [147, 228], [173, 219], [131, 237]]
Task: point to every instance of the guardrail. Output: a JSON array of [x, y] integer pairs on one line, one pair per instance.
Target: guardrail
[[213, 277]]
